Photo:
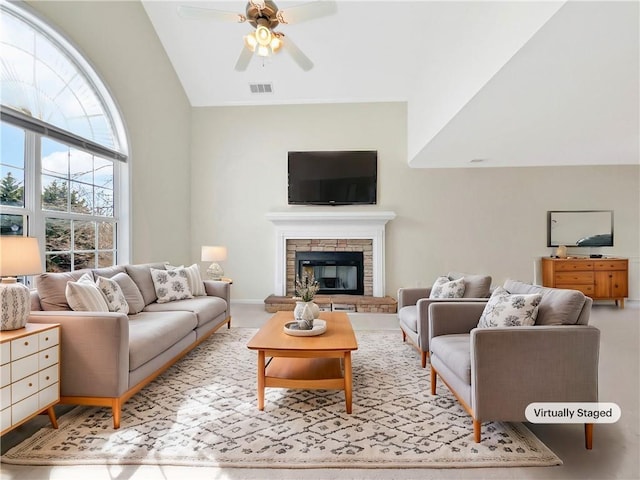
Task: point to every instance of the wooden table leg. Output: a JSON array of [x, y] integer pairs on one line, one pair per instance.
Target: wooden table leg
[[52, 417], [261, 368], [348, 380]]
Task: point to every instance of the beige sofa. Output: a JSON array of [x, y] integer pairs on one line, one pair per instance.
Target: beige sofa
[[107, 357]]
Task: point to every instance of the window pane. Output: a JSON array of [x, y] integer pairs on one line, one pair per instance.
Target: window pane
[[11, 224], [103, 173], [80, 166], [84, 260], [81, 198], [84, 235], [105, 259], [11, 186], [104, 202], [55, 192], [58, 262], [105, 236], [58, 235], [12, 145], [55, 158]]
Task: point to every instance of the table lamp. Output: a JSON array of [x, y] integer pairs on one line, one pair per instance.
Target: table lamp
[[18, 256], [214, 254]]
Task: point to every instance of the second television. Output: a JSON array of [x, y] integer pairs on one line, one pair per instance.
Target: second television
[[333, 177]]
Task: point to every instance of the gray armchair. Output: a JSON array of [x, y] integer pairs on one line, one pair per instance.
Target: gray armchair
[[413, 308], [496, 372]]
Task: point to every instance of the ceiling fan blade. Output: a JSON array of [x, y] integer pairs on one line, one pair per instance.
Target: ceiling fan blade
[[300, 58], [307, 11], [206, 13], [243, 59]]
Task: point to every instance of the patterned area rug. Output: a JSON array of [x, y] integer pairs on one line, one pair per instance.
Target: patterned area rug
[[202, 412]]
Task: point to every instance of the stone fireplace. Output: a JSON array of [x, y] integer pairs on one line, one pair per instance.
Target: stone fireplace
[[330, 231], [341, 266]]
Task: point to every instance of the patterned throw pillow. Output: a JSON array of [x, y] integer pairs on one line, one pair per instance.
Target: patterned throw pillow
[[443, 287], [113, 294], [194, 278], [505, 309], [171, 285], [85, 296]]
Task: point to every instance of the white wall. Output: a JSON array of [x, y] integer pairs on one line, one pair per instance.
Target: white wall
[[474, 219], [118, 39]]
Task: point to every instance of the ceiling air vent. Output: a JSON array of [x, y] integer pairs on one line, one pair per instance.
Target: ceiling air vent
[[260, 88]]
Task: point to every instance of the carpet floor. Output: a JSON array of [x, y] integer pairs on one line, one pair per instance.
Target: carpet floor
[[202, 412]]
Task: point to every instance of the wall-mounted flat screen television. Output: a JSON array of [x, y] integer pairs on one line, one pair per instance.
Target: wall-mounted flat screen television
[[333, 177], [582, 228]]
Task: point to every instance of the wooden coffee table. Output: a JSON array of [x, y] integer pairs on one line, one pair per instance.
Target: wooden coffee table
[[320, 362]]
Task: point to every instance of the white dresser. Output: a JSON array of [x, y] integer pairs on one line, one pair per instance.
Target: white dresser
[[30, 374]]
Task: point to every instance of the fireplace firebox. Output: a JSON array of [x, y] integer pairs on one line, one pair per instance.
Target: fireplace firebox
[[336, 272]]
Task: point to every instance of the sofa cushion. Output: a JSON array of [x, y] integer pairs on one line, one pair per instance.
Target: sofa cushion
[[194, 278], [152, 333], [455, 352], [113, 295], [107, 272], [408, 316], [205, 308], [171, 285], [557, 306], [444, 287], [475, 286], [131, 292], [85, 296], [141, 275], [51, 288], [505, 309]]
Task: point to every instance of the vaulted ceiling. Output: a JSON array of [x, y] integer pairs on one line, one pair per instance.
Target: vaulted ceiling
[[486, 83]]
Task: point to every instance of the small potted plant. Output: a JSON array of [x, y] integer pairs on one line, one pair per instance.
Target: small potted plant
[[305, 290]]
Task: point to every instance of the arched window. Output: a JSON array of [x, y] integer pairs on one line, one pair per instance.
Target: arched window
[[63, 146]]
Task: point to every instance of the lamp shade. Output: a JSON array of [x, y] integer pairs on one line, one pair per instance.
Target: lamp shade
[[19, 256], [213, 254]]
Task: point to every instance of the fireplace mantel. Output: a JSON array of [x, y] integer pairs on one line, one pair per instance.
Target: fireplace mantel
[[325, 224]]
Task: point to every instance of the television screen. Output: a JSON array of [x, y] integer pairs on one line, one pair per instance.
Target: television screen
[[333, 178], [585, 228]]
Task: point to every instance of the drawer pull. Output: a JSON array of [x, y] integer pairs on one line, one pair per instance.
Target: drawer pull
[[47, 377], [46, 356], [31, 384], [46, 339], [26, 344]]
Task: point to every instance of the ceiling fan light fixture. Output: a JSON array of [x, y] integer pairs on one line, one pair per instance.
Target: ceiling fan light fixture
[[275, 44], [263, 35], [251, 42], [263, 51]]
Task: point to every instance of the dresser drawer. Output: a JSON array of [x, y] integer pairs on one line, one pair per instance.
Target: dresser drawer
[[49, 338], [24, 408], [572, 266], [21, 347], [588, 290], [5, 353], [5, 374], [48, 396], [24, 367], [48, 376], [24, 388], [48, 357], [5, 397], [5, 419], [573, 278], [611, 265]]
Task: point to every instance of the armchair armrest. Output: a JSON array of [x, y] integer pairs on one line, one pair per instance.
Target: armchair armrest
[[446, 318], [410, 296], [532, 364], [94, 351]]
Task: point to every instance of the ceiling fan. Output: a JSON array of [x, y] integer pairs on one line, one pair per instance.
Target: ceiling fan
[[265, 16]]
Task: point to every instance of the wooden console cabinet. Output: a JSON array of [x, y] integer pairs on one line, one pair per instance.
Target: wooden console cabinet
[[30, 374], [598, 278]]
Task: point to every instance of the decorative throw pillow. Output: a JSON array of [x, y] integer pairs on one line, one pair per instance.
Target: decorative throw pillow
[[171, 285], [194, 278], [85, 296], [112, 292], [443, 287], [506, 309], [131, 292]]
